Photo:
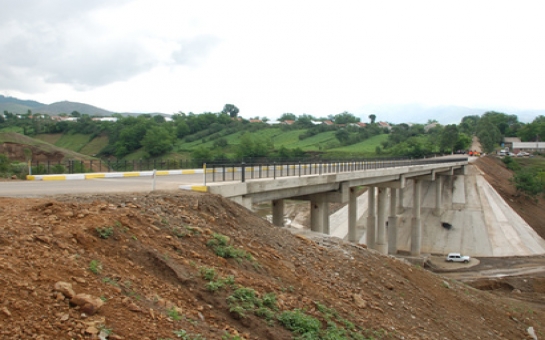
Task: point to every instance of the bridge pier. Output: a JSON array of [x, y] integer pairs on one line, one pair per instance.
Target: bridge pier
[[400, 209], [381, 244], [438, 194], [278, 212], [416, 223], [392, 223], [371, 219], [352, 214], [319, 213]]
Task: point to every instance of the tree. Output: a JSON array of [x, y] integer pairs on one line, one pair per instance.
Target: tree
[[253, 146], [463, 143], [181, 129], [157, 140], [304, 121], [201, 154], [342, 135], [372, 118], [449, 137], [231, 110], [159, 119], [287, 116], [345, 118], [489, 135]]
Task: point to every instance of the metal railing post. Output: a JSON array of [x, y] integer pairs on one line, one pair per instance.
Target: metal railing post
[[243, 172]]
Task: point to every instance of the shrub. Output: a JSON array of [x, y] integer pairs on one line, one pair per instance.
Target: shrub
[[105, 232], [4, 163], [207, 273], [58, 169], [299, 322], [95, 266]]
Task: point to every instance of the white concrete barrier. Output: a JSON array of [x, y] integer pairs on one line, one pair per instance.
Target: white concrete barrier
[[94, 175]]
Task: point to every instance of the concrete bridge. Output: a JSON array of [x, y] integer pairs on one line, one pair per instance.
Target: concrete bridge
[[341, 186]]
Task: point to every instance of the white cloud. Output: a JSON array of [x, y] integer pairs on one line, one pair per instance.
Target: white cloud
[[315, 57]]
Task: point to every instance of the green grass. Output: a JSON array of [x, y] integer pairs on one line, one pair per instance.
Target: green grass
[[12, 129], [93, 147], [367, 147], [324, 142], [537, 162], [74, 142], [49, 138]]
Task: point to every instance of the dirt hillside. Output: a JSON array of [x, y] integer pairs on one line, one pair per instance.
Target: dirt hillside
[[195, 266]]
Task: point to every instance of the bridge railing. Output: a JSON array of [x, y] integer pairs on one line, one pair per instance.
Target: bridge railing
[[228, 172]]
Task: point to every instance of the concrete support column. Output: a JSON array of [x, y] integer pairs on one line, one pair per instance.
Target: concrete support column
[[416, 224], [392, 223], [319, 214], [438, 193], [278, 213], [371, 219], [352, 214], [382, 245], [400, 209]]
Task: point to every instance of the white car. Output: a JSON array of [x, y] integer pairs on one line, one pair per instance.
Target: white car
[[522, 154], [457, 257]]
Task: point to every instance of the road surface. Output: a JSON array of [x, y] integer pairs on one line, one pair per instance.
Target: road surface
[[95, 186]]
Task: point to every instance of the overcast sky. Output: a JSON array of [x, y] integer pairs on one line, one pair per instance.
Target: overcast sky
[[271, 57]]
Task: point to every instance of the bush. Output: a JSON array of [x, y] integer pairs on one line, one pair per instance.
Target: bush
[[58, 169], [510, 163], [4, 163], [299, 322], [39, 169]]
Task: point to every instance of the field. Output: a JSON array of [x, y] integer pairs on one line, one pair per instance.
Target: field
[[325, 143]]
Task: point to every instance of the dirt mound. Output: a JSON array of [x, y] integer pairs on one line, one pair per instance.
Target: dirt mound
[[158, 266], [16, 152]]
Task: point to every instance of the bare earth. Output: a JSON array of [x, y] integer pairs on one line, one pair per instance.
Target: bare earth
[[151, 266]]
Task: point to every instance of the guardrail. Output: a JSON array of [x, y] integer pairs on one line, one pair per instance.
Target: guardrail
[[101, 166], [242, 171]]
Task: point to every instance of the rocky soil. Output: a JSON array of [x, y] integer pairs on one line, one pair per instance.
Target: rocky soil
[[152, 266]]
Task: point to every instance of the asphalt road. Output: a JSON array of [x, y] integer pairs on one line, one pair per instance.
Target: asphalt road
[[90, 186]]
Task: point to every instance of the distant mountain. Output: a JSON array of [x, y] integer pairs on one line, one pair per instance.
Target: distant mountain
[[15, 105], [15, 101], [69, 107]]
